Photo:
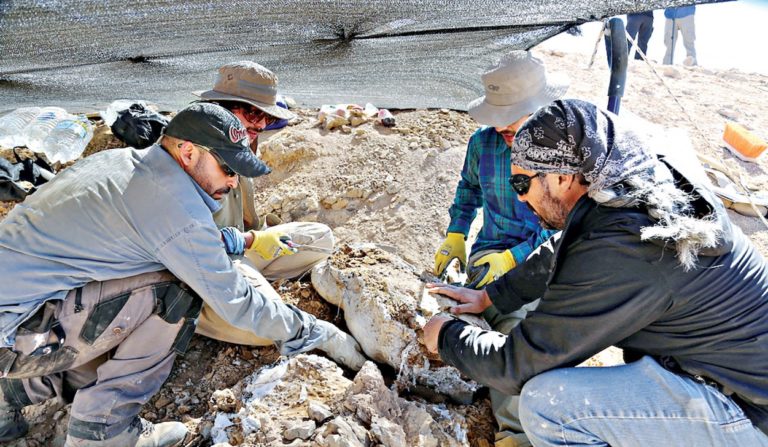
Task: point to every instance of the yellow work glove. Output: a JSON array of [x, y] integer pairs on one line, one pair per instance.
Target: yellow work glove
[[498, 264], [270, 244], [453, 247]]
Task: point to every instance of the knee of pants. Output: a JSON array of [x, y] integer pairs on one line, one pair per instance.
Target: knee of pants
[[542, 401]]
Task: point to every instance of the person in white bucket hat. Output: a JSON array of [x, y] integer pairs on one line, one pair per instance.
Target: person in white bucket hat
[[515, 87]]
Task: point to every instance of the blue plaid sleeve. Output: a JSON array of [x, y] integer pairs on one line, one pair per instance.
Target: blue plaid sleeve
[[521, 251], [469, 196]]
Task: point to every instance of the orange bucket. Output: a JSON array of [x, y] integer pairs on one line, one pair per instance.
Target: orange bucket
[[743, 143]]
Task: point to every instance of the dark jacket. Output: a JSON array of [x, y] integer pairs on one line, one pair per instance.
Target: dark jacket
[[603, 286]]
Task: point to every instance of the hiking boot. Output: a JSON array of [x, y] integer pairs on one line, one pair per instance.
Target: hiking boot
[[140, 433], [12, 425]]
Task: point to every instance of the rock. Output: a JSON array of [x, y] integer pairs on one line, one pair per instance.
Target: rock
[[369, 396], [387, 432], [162, 401], [225, 400], [346, 429], [340, 441], [341, 203], [334, 121], [302, 430], [318, 411], [729, 113], [671, 72], [354, 193]]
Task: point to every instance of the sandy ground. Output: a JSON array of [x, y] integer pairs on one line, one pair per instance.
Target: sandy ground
[[393, 186]]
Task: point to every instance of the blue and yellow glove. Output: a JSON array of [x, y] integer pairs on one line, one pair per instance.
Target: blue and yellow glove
[[497, 265], [271, 244], [454, 247]]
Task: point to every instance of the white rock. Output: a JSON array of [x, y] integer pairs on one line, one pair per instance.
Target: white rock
[[302, 430], [671, 72], [318, 411], [729, 113]]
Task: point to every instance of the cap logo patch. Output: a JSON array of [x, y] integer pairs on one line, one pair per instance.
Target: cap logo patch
[[237, 134]]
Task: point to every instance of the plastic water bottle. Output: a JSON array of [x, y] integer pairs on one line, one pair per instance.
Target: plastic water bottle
[[68, 139], [12, 125], [110, 115], [36, 132]]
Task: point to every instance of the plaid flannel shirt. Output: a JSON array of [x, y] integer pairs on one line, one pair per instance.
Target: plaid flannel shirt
[[507, 222]]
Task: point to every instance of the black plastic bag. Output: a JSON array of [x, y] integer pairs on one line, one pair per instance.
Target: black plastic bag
[[35, 172], [139, 127]]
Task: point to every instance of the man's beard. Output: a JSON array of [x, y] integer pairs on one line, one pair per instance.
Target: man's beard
[[198, 175], [554, 213]]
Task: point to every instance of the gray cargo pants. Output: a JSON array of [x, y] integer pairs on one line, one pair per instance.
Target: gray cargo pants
[[107, 347]]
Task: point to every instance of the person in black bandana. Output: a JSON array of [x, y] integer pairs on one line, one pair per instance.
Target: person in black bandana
[[648, 261]]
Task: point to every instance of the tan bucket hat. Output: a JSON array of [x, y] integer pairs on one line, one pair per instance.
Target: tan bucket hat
[[517, 85], [248, 82]]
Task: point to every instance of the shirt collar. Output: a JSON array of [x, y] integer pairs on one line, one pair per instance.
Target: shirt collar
[[212, 204], [207, 199]]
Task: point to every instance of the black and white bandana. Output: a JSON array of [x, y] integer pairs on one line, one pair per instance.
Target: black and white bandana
[[619, 162], [572, 136]]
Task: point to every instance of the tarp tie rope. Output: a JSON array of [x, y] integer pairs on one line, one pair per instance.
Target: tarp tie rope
[[735, 177]]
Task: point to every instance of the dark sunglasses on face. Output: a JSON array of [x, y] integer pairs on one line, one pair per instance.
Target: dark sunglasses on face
[[521, 183], [254, 116], [222, 164]]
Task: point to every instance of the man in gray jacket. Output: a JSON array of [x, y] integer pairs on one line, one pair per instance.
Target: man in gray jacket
[[648, 261], [107, 267]]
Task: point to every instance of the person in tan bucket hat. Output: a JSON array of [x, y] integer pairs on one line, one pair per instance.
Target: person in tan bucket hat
[[515, 87], [249, 91]]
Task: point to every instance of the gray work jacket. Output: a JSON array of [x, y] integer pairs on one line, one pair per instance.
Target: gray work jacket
[[120, 213]]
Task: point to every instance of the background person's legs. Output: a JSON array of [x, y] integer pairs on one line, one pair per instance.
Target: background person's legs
[[644, 35], [670, 30], [635, 405], [633, 27], [259, 272], [303, 233], [505, 407], [212, 325], [687, 26]]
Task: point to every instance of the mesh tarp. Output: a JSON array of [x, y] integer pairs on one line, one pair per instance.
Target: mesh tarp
[[81, 54]]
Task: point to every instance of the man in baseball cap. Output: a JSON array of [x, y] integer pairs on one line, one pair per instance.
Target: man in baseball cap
[[515, 87], [221, 133], [121, 264]]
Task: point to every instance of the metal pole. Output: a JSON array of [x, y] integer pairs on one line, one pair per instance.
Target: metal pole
[[618, 64]]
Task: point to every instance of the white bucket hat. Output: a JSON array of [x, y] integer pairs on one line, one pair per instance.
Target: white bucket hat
[[517, 85], [247, 82]]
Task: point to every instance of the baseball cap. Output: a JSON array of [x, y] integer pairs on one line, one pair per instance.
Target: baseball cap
[[215, 127]]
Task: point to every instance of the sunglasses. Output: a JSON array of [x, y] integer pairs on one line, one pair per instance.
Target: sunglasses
[[255, 116], [521, 183], [222, 164]]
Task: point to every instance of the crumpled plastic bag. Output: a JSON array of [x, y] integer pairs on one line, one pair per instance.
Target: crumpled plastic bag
[[138, 126], [17, 180]]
